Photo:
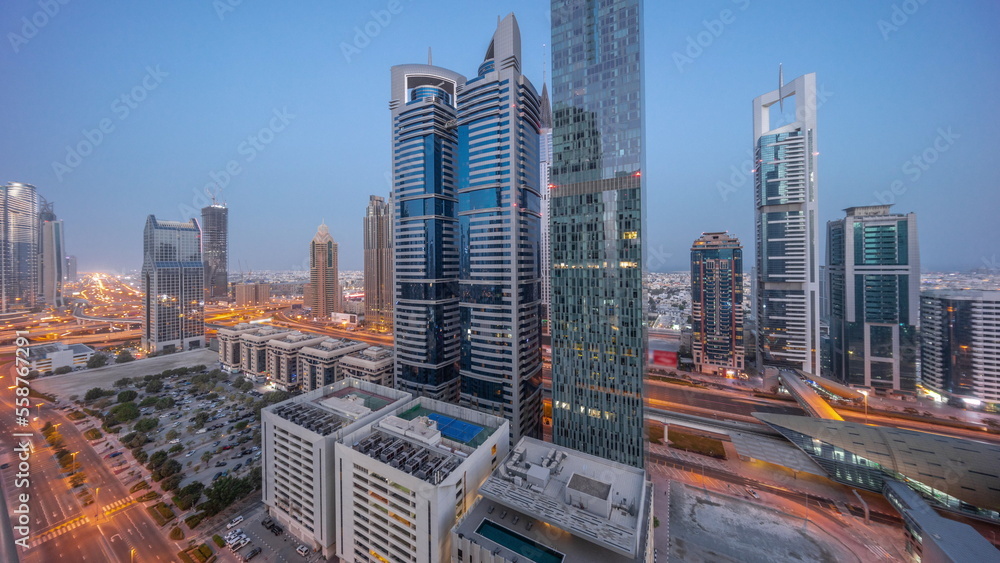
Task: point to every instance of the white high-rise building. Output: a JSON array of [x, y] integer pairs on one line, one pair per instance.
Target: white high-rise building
[[298, 438], [785, 192], [406, 479], [173, 279]]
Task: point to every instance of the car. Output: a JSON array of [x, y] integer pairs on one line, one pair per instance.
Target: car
[[277, 530], [253, 553], [237, 466], [175, 441], [233, 534], [216, 476], [227, 448], [302, 550], [220, 464], [233, 541], [243, 543], [267, 522], [112, 455], [4, 466], [217, 442]]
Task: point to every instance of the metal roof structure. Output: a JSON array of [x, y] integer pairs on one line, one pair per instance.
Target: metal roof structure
[[965, 469]]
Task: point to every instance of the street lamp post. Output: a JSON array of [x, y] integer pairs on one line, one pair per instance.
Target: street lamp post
[[131, 555], [97, 492], [865, 393]]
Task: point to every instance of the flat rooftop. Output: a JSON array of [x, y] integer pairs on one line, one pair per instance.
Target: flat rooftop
[[417, 453], [456, 430], [516, 534], [601, 503], [40, 350], [326, 413]]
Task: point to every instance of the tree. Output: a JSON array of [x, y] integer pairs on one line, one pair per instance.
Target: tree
[[206, 456], [176, 448], [171, 434], [124, 357], [200, 419], [241, 425], [126, 396], [123, 382], [95, 393], [140, 456], [165, 403], [170, 483], [146, 424], [157, 459], [62, 370], [154, 386], [122, 412], [97, 360]]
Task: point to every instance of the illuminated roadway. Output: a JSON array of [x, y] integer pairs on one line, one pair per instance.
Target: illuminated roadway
[[54, 508]]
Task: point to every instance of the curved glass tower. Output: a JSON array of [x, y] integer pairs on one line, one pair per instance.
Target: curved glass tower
[[425, 242], [499, 228]]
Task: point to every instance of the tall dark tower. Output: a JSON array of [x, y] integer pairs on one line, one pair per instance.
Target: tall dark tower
[[598, 311], [215, 250]]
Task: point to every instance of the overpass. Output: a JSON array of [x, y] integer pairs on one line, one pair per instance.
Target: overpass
[[808, 399]]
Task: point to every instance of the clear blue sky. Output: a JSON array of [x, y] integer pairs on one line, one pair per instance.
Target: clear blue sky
[[218, 80]]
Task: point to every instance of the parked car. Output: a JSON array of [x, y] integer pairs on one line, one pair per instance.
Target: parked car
[[302, 550]]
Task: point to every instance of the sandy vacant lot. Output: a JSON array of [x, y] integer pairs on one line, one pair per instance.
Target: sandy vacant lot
[[77, 383], [710, 527]]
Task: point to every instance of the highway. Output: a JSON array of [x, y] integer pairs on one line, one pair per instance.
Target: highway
[[62, 529]]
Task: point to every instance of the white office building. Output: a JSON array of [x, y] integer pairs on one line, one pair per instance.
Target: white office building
[[298, 437], [561, 505], [406, 479], [374, 364], [785, 193], [253, 349], [283, 358], [231, 345], [46, 358], [319, 364]]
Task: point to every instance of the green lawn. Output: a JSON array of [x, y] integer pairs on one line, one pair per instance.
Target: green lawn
[[696, 444]]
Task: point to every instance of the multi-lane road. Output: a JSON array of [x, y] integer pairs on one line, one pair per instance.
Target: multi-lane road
[[61, 528]]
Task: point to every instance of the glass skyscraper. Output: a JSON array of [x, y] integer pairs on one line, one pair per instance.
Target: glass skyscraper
[[787, 283], [873, 268], [959, 358], [424, 108], [378, 264], [323, 295], [717, 304], [596, 228], [544, 162], [173, 278], [19, 252], [215, 250], [499, 228]]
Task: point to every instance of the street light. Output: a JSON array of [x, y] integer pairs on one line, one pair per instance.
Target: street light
[[97, 513], [131, 555], [865, 393], [74, 460]]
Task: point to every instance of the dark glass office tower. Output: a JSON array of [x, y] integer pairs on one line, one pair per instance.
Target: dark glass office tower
[[873, 266], [425, 237], [596, 222], [173, 277], [215, 250], [499, 229]]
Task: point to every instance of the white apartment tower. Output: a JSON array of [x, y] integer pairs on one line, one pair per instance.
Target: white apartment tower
[[785, 194]]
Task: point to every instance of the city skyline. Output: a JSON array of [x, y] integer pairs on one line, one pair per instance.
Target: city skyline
[[913, 158]]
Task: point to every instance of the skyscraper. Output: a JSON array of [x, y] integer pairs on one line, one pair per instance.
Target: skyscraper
[[959, 358], [498, 223], [71, 268], [323, 294], [425, 238], [215, 250], [173, 278], [52, 262], [19, 282], [786, 214], [378, 265], [717, 304], [873, 266], [544, 162], [596, 222]]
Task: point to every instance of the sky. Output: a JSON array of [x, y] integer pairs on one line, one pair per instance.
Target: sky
[[116, 110]]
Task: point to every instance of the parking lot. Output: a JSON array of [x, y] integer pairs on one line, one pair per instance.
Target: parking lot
[[273, 547]]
